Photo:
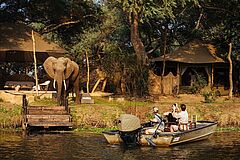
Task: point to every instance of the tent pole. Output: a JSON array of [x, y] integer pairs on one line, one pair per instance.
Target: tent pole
[[35, 62], [88, 74]]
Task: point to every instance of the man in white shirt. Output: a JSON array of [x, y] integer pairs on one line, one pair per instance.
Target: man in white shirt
[[182, 118]]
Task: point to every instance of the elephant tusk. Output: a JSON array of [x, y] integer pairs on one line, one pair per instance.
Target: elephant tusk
[[54, 84], [65, 86]]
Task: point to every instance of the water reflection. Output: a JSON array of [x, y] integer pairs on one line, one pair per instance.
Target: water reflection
[[52, 146]]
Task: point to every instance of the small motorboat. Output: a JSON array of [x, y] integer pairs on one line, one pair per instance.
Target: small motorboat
[[131, 132]]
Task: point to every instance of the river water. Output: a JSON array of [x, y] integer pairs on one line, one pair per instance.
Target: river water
[[70, 146]]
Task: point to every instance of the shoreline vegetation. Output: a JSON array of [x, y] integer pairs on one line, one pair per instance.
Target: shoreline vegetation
[[103, 114]]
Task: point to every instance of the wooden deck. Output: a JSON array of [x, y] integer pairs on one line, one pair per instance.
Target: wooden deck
[[45, 116]]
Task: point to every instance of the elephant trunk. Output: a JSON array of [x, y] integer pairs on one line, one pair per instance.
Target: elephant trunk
[[59, 92], [61, 88]]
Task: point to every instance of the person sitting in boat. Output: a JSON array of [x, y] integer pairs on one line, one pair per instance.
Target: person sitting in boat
[[169, 115], [182, 120], [157, 122]]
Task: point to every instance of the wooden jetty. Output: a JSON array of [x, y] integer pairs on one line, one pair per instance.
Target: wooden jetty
[[45, 116]]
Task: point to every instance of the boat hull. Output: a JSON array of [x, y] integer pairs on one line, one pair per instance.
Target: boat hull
[[203, 131]]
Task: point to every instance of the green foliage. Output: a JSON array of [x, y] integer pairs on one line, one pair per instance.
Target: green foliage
[[209, 96], [102, 38], [10, 115], [150, 8], [108, 46], [199, 83], [222, 29], [3, 110]]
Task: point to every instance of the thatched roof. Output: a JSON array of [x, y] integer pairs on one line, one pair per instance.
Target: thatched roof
[[193, 52], [17, 38]]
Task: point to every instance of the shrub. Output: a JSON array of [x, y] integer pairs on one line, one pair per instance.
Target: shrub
[[209, 96], [199, 83]]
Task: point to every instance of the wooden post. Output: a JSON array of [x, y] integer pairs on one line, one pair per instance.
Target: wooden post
[[35, 61], [88, 74], [209, 76], [24, 112], [212, 75]]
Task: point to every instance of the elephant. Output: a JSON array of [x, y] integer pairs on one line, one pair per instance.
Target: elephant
[[66, 73]]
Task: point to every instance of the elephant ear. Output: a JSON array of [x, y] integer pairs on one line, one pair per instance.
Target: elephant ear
[[48, 66], [69, 69]]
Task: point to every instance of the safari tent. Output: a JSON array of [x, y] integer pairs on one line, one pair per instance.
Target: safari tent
[[16, 44], [16, 52], [183, 64]]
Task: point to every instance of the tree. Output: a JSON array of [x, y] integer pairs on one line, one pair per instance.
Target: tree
[[223, 30], [139, 11]]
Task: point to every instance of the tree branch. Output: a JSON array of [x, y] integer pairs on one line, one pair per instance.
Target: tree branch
[[199, 20], [154, 49], [53, 27]]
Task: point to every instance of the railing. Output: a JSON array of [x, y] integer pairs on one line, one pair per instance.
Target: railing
[[24, 112]]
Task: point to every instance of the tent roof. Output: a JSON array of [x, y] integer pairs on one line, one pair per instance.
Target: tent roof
[[18, 37], [193, 52]]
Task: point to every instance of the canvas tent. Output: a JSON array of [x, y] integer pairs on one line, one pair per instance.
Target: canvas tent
[[195, 52], [16, 44], [184, 61]]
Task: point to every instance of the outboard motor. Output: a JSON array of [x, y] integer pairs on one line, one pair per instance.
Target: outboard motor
[[129, 129]]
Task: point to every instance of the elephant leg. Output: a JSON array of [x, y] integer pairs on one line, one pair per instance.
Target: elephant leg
[[64, 98], [61, 101], [77, 96], [76, 90]]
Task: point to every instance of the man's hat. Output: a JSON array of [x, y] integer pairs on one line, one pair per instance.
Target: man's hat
[[175, 105], [155, 109]]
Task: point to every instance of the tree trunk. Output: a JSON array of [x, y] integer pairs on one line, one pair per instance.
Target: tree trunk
[[230, 71], [35, 62], [136, 41], [164, 58]]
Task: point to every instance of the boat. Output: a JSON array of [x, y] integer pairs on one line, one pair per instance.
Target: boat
[[200, 131]]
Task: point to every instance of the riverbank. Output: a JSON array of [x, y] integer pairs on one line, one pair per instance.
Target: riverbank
[[105, 111]]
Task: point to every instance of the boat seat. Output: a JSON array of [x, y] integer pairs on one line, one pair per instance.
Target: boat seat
[[193, 123], [183, 126]]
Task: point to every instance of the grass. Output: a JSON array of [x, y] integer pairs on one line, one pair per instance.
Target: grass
[[103, 114], [228, 129], [44, 102], [10, 115]]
